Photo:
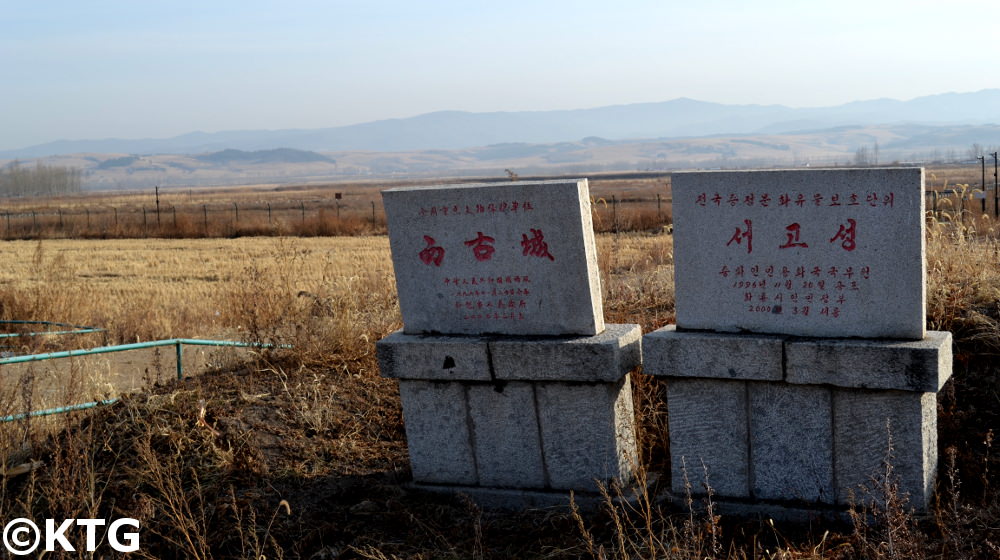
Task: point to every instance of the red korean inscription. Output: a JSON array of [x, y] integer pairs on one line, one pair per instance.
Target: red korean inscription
[[793, 237], [846, 234], [740, 235]]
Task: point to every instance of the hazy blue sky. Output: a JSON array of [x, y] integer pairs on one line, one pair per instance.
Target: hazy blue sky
[[128, 69]]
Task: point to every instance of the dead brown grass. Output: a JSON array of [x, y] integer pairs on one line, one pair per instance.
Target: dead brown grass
[[301, 454]]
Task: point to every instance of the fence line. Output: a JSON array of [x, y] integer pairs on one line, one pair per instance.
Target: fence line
[[323, 217], [192, 220]]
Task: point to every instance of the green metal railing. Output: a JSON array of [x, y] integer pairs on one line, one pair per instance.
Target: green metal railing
[[76, 329], [177, 343], [57, 410]]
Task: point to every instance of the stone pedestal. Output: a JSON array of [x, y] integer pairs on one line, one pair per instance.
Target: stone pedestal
[[782, 421], [512, 420]]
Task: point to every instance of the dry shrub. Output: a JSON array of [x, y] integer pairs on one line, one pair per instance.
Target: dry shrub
[[963, 285]]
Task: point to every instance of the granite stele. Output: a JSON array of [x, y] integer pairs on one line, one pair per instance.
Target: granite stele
[[800, 351], [816, 253], [499, 258], [513, 389]]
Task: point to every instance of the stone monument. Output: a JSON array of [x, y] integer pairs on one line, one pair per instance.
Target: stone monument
[[800, 346], [513, 388]]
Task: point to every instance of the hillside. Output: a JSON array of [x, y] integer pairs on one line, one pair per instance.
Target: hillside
[[451, 130], [823, 147]]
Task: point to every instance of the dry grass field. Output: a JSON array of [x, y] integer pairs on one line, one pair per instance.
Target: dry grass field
[[300, 453], [277, 210]]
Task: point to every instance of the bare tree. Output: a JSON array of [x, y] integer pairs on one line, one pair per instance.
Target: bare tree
[[975, 151], [17, 180], [863, 155]]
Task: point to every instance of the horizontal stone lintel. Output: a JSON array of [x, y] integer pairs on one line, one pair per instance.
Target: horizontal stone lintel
[[605, 357], [906, 365], [917, 365], [673, 353]]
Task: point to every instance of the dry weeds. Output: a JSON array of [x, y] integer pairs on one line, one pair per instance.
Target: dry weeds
[[301, 454]]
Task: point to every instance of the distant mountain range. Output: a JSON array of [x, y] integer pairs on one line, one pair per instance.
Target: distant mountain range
[[857, 145], [453, 130]]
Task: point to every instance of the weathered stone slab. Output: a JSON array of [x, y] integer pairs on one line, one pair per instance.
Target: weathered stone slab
[[447, 358], [604, 357], [669, 352], [437, 432], [588, 433], [791, 442], [863, 422], [500, 258], [708, 430], [506, 436], [921, 365], [836, 253], [607, 356]]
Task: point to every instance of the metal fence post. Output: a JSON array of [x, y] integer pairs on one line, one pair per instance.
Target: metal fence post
[[180, 361], [614, 213], [996, 193]]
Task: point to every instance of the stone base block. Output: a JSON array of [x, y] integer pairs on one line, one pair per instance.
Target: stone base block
[[506, 436], [561, 436], [587, 432], [791, 443], [604, 357], [438, 434], [921, 366], [520, 434], [673, 353], [536, 413], [799, 446], [800, 423], [709, 442], [873, 428], [904, 365]]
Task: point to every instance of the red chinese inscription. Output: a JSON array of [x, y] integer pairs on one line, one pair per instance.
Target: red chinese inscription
[[432, 254], [536, 246], [482, 246]]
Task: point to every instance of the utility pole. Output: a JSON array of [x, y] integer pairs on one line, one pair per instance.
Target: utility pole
[[996, 194], [982, 162], [157, 206]]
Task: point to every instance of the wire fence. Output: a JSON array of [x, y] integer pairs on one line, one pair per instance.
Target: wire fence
[[194, 220], [331, 217]]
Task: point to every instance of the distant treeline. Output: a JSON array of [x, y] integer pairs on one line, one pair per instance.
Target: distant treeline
[[17, 180]]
